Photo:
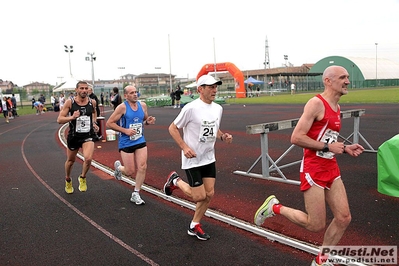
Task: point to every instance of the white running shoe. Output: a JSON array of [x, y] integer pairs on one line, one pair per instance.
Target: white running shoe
[[137, 199], [117, 173]]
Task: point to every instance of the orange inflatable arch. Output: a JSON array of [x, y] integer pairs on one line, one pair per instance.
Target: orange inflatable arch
[[234, 71]]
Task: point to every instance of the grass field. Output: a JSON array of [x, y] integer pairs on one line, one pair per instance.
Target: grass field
[[390, 95], [379, 95], [26, 109]]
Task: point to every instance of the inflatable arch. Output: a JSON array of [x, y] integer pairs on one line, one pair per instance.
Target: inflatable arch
[[234, 71]]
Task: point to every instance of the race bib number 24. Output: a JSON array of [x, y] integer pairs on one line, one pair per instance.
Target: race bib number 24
[[208, 131]]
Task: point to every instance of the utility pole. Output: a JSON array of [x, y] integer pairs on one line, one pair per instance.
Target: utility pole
[[121, 69], [376, 78], [158, 69], [60, 79], [170, 65], [267, 61], [214, 57], [91, 58], [69, 50]]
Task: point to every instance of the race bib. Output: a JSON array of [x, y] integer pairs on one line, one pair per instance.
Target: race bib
[[139, 130], [207, 131], [83, 124], [330, 136]]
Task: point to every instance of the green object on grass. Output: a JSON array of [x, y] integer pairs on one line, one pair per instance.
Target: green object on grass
[[388, 167]]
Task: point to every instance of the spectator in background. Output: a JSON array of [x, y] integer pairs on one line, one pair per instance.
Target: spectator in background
[[292, 88], [14, 106], [52, 101], [4, 107], [62, 101], [178, 94], [172, 96], [117, 99], [94, 97], [9, 107], [39, 107], [107, 99], [102, 98], [33, 102], [42, 99]]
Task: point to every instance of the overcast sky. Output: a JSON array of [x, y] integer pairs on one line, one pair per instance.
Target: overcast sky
[[186, 34]]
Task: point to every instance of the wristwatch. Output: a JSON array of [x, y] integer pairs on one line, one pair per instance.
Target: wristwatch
[[325, 148]]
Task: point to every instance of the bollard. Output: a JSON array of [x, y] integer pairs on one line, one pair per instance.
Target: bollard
[[101, 109], [101, 125]]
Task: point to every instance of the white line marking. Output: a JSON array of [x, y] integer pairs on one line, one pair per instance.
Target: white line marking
[[81, 214]]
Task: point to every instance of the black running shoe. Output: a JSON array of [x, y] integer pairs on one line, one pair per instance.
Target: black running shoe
[[169, 187], [198, 232]]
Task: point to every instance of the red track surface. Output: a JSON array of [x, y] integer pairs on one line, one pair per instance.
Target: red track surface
[[374, 219]]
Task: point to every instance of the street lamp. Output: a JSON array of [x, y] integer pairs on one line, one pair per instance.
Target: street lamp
[[91, 58], [60, 79], [286, 67], [121, 68], [69, 50], [376, 44], [158, 68]]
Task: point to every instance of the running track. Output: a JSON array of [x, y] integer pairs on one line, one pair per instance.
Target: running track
[[42, 225]]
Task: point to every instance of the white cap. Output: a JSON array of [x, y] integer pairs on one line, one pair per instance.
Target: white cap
[[208, 80]]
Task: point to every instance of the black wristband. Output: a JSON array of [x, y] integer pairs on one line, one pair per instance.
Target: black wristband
[[221, 137], [146, 122], [344, 148]]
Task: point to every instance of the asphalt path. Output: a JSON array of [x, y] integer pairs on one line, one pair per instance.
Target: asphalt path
[[42, 225]]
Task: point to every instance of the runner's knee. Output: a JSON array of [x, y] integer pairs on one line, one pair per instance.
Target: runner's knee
[[318, 226], [129, 172], [209, 194], [344, 220], [199, 196]]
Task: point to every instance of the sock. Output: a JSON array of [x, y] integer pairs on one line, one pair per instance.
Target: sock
[[193, 224], [175, 181], [276, 208], [321, 259], [136, 191], [68, 179]]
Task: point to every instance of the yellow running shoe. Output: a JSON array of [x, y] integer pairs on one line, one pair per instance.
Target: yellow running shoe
[[82, 184], [68, 187], [266, 210]]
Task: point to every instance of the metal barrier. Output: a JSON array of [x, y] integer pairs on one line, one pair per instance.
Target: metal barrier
[[266, 159]]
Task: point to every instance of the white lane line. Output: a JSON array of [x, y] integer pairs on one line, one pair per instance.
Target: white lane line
[[81, 214], [269, 234]]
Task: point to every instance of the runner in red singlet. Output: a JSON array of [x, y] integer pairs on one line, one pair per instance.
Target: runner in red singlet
[[317, 133]]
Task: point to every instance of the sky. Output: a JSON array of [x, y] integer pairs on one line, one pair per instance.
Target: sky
[[181, 36]]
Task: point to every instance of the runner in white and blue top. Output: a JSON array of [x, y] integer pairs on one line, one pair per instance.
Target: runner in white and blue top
[[129, 119], [132, 119]]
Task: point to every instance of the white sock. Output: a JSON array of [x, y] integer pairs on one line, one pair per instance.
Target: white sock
[[175, 181], [193, 224]]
